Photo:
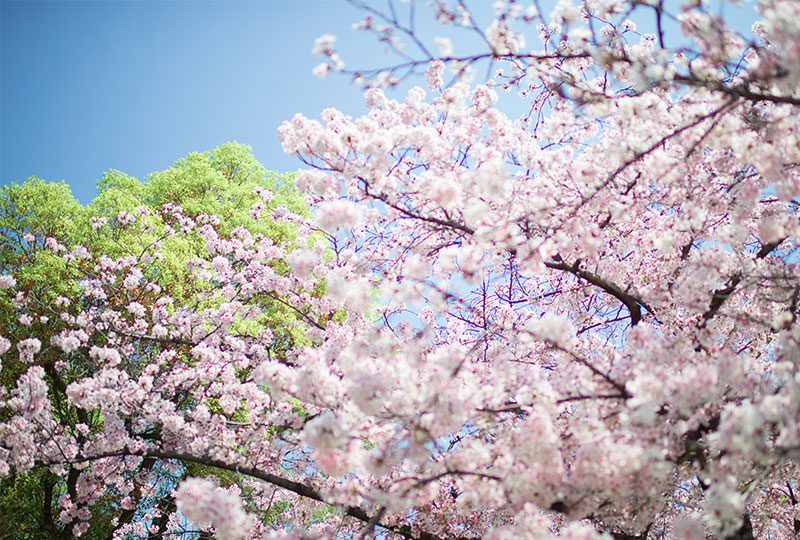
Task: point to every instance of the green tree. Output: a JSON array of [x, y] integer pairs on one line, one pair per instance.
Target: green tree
[[226, 182]]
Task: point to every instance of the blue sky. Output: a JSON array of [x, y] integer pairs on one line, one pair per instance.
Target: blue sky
[[135, 85]]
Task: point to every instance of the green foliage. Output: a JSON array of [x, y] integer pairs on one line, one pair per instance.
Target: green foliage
[[29, 214], [22, 502], [219, 183], [36, 210]]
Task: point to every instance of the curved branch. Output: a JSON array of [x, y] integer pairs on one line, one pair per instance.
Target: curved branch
[[284, 483], [632, 302], [719, 296], [452, 224]]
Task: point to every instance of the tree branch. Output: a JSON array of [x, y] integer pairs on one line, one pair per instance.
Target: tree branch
[[719, 296], [284, 483], [632, 302]]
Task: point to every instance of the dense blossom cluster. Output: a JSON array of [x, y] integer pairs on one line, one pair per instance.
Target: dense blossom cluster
[[578, 323]]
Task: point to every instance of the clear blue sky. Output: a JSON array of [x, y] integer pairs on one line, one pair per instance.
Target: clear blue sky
[[135, 85]]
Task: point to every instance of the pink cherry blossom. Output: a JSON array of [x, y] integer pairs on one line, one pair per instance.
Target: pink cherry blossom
[[560, 302]]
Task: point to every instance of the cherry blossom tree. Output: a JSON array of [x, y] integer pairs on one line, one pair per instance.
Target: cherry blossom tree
[[580, 322], [41, 222]]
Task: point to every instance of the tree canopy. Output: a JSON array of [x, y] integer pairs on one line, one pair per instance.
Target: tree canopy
[[146, 234], [579, 321]]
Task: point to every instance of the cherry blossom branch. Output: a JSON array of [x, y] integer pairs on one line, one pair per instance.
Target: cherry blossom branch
[[739, 91], [284, 483], [660, 142], [429, 219], [594, 369], [306, 317], [719, 296], [394, 21], [632, 302], [596, 396], [162, 341]]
